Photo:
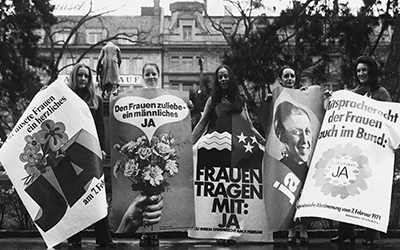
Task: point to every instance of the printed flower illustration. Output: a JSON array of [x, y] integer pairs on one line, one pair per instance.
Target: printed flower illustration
[[131, 168], [31, 155], [153, 175], [171, 167], [52, 134], [32, 142], [148, 164], [342, 171], [39, 146]]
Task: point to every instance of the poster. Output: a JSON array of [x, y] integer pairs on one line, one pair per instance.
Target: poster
[[228, 183], [151, 149], [53, 159], [352, 166], [293, 122]]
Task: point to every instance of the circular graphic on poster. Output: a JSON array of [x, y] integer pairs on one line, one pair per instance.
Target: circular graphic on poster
[[342, 171]]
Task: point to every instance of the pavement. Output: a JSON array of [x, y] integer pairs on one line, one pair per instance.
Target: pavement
[[34, 241]]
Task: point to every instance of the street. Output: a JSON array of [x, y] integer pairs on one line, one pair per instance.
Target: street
[[18, 243]]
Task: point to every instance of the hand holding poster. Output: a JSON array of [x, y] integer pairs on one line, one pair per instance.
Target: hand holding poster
[[152, 157], [55, 164], [353, 162]]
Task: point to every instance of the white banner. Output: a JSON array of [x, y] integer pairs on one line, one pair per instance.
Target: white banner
[[53, 159], [351, 172]]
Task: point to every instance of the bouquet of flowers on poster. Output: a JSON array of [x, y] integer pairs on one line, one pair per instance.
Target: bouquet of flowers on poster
[[151, 155], [55, 164]]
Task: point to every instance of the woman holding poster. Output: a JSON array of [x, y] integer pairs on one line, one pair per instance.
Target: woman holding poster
[[81, 82], [367, 74], [226, 93], [293, 128], [228, 148], [151, 207], [151, 142]]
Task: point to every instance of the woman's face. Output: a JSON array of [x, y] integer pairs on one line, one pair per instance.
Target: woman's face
[[362, 72], [223, 78], [298, 137], [82, 78], [150, 76], [288, 78]]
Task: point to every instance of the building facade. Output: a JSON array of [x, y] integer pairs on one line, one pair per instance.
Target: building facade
[[184, 45]]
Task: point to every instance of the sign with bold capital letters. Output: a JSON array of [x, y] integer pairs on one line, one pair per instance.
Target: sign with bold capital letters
[[152, 155], [55, 164], [353, 162]]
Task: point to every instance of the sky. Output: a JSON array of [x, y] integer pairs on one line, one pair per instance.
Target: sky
[[133, 7]]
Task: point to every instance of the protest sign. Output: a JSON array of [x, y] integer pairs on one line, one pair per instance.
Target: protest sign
[[152, 154], [293, 120], [352, 165], [228, 174], [53, 158]]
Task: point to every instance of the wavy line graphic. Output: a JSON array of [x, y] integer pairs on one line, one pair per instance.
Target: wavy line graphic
[[216, 140]]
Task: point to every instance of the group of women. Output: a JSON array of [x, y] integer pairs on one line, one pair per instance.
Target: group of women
[[224, 101]]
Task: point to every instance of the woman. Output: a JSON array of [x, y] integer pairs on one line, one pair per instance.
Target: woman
[[220, 112], [367, 74], [81, 82], [287, 78], [225, 98], [150, 75]]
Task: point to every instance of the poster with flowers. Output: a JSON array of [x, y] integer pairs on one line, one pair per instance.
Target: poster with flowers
[[55, 164], [352, 165], [151, 155]]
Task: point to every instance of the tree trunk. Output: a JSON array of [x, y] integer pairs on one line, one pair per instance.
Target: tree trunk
[[391, 73]]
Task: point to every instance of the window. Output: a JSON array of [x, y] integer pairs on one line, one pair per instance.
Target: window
[[94, 36], [69, 65], [136, 65], [174, 86], [187, 63], [174, 63], [125, 66], [227, 28], [61, 36], [71, 61], [128, 37], [187, 32]]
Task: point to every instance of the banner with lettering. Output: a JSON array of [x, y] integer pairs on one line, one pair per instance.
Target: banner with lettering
[[152, 154], [53, 158], [228, 174], [351, 173], [293, 120]]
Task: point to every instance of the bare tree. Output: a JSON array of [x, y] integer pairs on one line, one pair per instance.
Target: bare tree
[[72, 25]]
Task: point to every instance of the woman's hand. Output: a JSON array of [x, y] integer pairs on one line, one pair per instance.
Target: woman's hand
[[190, 105], [143, 211], [103, 154], [43, 87]]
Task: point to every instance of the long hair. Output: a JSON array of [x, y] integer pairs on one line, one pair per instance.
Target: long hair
[[373, 71], [88, 94], [233, 91]]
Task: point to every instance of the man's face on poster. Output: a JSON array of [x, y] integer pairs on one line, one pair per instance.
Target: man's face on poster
[[298, 136]]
